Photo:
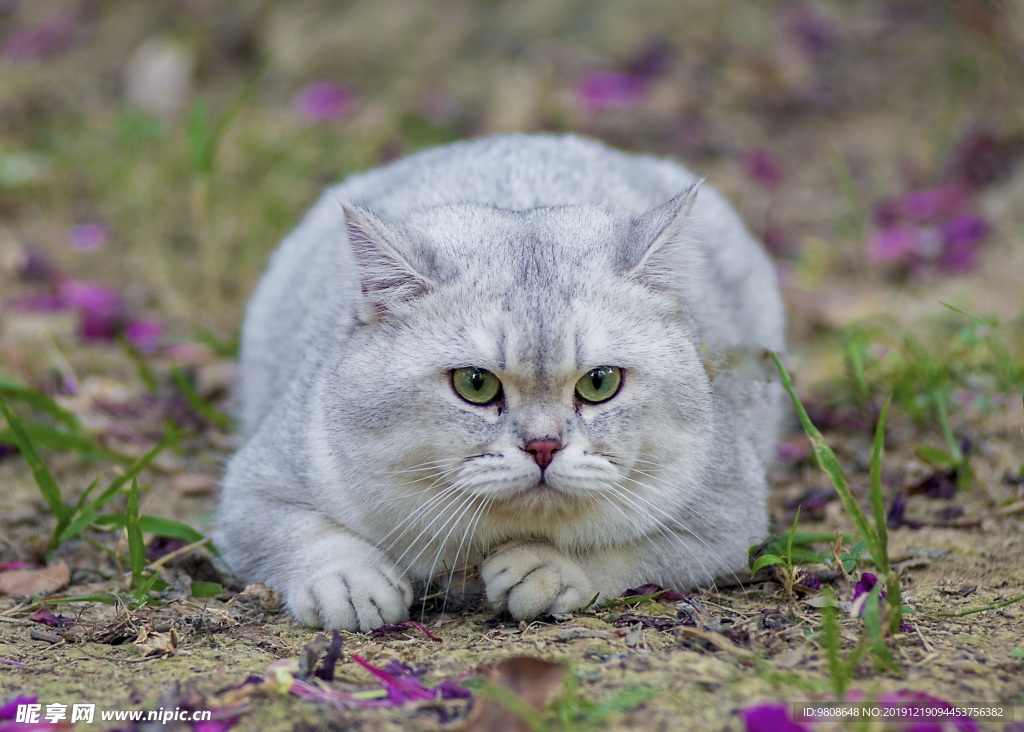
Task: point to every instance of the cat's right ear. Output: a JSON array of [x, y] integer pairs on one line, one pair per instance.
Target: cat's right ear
[[387, 276], [657, 252]]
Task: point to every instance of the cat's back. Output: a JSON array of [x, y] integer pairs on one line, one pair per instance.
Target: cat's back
[[310, 275]]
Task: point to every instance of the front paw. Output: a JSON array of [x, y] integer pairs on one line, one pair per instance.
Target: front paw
[[346, 597], [535, 579]]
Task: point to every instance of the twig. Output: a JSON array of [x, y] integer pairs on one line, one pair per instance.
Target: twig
[[178, 552]]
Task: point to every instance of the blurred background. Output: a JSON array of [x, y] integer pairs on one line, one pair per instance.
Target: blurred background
[[153, 153]]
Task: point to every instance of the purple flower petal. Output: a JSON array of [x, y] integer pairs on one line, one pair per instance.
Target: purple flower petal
[[323, 101], [10, 662], [89, 297], [47, 618], [935, 203], [40, 40], [812, 31], [401, 689], [964, 230], [864, 585], [770, 718], [96, 326], [984, 158], [656, 59], [10, 709], [896, 243], [144, 334], [89, 236], [763, 168], [600, 90], [39, 303]]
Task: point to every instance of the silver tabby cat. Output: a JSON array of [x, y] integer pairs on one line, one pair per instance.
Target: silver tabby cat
[[495, 354]]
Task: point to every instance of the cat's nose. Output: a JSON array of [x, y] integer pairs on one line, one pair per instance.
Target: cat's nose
[[543, 450]]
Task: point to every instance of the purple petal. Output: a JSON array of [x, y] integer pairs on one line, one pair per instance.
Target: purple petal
[[812, 31], [96, 326], [39, 303], [763, 168], [770, 718], [935, 203], [89, 297], [47, 618], [600, 90], [215, 725], [40, 40], [448, 689], [89, 236], [864, 585], [10, 709], [896, 243], [11, 662], [162, 545], [144, 334], [323, 101], [656, 59], [964, 230], [984, 158], [401, 689]]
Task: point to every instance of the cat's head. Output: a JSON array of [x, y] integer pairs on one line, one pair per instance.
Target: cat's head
[[533, 372]]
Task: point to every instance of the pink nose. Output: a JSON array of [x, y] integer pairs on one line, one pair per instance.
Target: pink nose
[[543, 451]]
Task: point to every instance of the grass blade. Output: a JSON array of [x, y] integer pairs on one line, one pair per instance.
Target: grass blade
[[939, 397], [828, 462], [47, 485], [152, 525], [136, 547], [170, 438], [837, 670], [198, 404], [40, 401], [877, 499], [873, 624], [141, 367]]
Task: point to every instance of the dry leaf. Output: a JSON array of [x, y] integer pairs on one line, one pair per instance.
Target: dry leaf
[[156, 644], [30, 582], [266, 598], [532, 679]]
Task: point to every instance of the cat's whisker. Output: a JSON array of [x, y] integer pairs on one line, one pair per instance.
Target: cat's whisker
[[461, 499], [449, 492]]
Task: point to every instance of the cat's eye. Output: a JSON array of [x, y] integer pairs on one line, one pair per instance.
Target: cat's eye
[[476, 385], [600, 384]]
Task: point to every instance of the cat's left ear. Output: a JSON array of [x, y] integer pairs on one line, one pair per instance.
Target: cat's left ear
[[389, 272], [656, 252]]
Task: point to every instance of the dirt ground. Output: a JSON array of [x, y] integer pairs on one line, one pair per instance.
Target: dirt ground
[[764, 98]]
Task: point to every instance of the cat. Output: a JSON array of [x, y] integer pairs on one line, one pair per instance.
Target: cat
[[501, 353]]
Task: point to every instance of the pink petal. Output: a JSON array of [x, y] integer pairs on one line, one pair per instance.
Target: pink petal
[[964, 230], [40, 40], [89, 236], [323, 101], [600, 90], [763, 168]]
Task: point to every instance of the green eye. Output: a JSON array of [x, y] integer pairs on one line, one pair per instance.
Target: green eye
[[475, 385], [600, 384]]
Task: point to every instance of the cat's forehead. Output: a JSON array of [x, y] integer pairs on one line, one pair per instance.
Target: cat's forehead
[[534, 244]]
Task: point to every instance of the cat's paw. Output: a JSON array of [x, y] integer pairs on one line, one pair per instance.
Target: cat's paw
[[533, 579], [346, 597]]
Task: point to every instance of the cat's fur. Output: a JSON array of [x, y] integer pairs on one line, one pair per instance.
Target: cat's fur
[[537, 258]]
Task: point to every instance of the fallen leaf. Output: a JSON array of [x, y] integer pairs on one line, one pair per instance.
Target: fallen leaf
[[29, 582], [156, 644], [533, 680]]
